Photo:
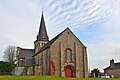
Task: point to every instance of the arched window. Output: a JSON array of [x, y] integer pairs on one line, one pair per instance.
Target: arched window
[[68, 55], [42, 44]]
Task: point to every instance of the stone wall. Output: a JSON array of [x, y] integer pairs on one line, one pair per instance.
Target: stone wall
[[111, 72], [42, 60], [25, 56], [38, 45], [79, 58]]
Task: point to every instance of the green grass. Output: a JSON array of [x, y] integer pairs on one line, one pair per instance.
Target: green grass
[[49, 78]]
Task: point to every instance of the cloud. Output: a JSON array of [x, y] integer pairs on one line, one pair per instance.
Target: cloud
[[100, 53], [105, 45]]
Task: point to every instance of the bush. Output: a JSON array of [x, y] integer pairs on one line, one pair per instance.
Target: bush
[[6, 68]]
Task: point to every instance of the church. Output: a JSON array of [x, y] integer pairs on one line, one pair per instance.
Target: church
[[64, 55]]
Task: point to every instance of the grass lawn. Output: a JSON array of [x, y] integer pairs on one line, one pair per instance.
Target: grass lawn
[[48, 78]]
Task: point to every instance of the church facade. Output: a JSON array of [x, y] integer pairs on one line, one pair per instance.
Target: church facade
[[65, 55]]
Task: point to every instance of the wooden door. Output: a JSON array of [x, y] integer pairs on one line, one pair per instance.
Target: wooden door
[[68, 72]]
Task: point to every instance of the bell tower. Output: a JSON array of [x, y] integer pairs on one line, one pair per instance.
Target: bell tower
[[42, 37]]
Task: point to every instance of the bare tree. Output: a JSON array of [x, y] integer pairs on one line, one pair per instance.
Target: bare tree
[[10, 54]]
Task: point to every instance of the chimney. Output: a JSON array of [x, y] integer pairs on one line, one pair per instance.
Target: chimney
[[112, 65]]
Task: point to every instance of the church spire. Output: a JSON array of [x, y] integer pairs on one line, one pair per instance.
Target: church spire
[[42, 34]]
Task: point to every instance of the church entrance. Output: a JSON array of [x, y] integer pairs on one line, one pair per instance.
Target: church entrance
[[68, 72]]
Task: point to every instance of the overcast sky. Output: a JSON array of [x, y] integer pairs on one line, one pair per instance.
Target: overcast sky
[[95, 22]]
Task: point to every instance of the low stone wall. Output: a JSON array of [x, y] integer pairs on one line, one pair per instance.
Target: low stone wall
[[18, 70], [34, 70], [30, 71]]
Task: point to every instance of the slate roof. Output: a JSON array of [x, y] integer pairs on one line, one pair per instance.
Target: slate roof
[[117, 66], [42, 34], [107, 68]]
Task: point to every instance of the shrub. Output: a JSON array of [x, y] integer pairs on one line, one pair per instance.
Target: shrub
[[6, 68]]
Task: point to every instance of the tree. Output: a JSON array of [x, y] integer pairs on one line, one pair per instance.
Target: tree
[[95, 72], [10, 54]]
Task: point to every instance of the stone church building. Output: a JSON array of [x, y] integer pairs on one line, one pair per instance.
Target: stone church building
[[64, 55]]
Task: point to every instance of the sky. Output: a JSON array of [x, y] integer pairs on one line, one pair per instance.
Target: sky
[[95, 22]]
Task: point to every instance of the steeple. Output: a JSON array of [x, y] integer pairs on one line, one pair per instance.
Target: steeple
[[42, 37], [42, 34]]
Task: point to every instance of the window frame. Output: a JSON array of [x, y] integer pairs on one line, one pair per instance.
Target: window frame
[[66, 60]]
